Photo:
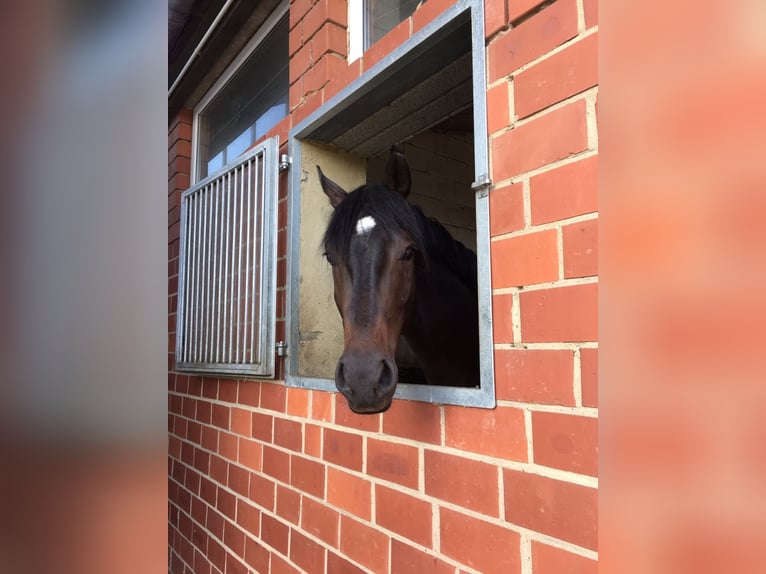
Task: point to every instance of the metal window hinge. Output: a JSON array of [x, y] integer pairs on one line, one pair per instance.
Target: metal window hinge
[[481, 185], [285, 161], [281, 347]]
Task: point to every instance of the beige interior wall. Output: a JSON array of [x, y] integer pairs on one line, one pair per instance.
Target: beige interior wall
[[320, 334]]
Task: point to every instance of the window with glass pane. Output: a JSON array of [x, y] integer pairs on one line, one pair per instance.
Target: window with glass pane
[[248, 106], [381, 16]]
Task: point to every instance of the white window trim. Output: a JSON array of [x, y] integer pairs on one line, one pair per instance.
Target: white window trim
[[355, 29], [227, 74]]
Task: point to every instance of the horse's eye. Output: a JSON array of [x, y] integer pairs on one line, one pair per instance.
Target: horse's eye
[[330, 260], [408, 253]]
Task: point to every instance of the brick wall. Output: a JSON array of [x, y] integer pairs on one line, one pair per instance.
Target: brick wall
[[275, 479]]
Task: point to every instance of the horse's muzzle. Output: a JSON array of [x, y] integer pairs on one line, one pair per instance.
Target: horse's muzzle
[[367, 380]]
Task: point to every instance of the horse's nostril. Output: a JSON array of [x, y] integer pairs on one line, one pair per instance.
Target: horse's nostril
[[387, 377]]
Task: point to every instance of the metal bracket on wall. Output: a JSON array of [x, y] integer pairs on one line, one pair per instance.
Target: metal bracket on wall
[[481, 185], [281, 348], [285, 161]]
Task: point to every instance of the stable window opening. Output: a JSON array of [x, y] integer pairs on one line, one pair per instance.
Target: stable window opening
[[429, 100]]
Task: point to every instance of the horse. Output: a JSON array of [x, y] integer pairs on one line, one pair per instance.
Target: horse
[[398, 273]]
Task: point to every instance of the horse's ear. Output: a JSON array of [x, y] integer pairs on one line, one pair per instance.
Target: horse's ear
[[331, 189], [398, 172]]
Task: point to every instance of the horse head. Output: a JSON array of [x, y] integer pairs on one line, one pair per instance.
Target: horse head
[[374, 245]]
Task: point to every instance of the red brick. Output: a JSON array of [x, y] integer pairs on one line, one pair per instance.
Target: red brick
[[322, 72], [273, 396], [404, 514], [250, 454], [589, 377], [298, 9], [329, 38], [462, 481], [189, 407], [591, 13], [391, 461], [262, 490], [518, 8], [428, 11], [298, 402], [321, 405], [393, 39], [405, 558], [300, 62], [241, 421], [325, 11], [568, 442], [313, 440], [281, 566], [228, 445], [276, 463], [310, 104], [533, 144], [295, 40], [233, 565], [535, 376], [319, 520], [226, 503], [525, 259], [567, 314], [349, 492], [549, 560], [580, 241], [346, 417], [239, 480], [414, 420], [564, 74], [209, 439], [547, 29], [498, 108], [219, 469], [215, 523], [262, 427], [502, 318], [307, 475], [343, 448], [506, 209], [234, 538], [564, 192], [257, 556], [495, 16], [274, 533], [220, 416], [485, 547], [338, 565], [499, 432], [343, 79], [288, 434], [363, 544], [227, 390], [306, 553], [560, 509], [194, 432], [201, 460], [289, 504], [249, 394], [217, 554], [249, 517]]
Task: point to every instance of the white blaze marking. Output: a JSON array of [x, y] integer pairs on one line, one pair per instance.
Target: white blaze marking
[[365, 225]]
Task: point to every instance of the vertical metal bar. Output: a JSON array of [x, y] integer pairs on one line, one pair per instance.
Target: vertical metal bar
[[239, 260], [216, 273], [248, 297], [260, 183], [203, 276], [183, 293], [209, 274], [256, 287], [233, 248], [225, 230], [195, 256]]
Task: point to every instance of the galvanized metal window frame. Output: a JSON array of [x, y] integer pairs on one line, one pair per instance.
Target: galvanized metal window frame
[[273, 19], [485, 395], [200, 251]]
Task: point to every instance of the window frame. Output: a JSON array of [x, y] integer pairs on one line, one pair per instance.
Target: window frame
[[266, 368], [265, 29], [484, 396]]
